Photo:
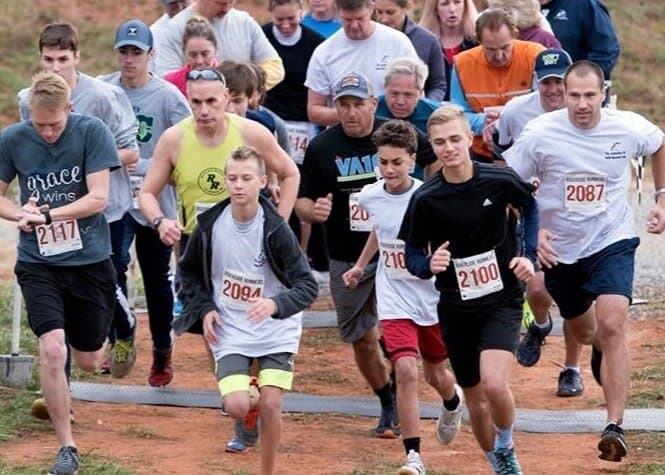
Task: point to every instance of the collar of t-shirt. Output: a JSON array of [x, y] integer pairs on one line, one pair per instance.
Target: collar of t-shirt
[[287, 40]]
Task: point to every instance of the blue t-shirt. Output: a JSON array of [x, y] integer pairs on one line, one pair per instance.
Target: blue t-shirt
[[418, 119], [324, 28], [56, 175]]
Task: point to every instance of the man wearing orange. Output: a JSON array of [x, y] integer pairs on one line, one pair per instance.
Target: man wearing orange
[[486, 77]]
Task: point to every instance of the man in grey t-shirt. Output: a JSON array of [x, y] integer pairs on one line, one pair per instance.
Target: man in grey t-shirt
[[62, 162], [158, 105]]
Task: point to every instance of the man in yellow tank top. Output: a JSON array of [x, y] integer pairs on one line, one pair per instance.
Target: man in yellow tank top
[[191, 156]]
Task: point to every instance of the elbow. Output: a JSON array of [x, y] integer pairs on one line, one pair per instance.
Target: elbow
[[98, 202]]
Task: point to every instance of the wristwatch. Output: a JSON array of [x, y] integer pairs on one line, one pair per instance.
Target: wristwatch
[[657, 193], [157, 221]]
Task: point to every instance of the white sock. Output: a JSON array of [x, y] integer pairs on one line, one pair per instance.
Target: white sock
[[574, 368]]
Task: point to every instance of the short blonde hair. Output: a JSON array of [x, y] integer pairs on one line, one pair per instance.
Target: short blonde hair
[[448, 113], [525, 13], [48, 91], [407, 67], [244, 153]]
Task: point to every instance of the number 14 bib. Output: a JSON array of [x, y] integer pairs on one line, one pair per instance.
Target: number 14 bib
[[478, 275]]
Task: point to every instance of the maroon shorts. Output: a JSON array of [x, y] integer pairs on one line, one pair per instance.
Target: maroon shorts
[[404, 337]]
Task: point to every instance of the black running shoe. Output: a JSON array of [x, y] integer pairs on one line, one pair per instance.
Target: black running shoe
[[386, 428], [596, 358], [570, 383], [528, 350], [612, 444]]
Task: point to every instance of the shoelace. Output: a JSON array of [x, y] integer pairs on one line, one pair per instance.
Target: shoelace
[[122, 351], [506, 462], [66, 457]]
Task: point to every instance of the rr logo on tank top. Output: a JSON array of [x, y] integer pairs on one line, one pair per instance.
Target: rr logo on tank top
[[211, 181]]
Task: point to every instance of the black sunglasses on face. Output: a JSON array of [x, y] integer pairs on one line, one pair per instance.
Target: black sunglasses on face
[[205, 75]]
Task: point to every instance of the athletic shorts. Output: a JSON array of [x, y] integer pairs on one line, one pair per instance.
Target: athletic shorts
[[404, 337], [467, 333], [575, 286], [77, 299], [356, 309], [232, 372]]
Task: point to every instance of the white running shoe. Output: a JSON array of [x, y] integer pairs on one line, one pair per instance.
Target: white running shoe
[[413, 466], [449, 421]]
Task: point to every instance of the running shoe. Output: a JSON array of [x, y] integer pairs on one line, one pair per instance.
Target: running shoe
[[570, 383], [506, 462], [528, 350], [449, 421], [66, 462], [596, 358], [386, 428], [413, 466], [39, 410], [250, 424], [161, 371], [612, 444], [122, 357], [237, 445], [527, 316]]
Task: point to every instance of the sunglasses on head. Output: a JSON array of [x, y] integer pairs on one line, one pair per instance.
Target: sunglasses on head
[[205, 75]]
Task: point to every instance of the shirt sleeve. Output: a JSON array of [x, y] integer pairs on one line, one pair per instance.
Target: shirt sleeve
[[476, 119], [415, 240], [435, 86], [122, 121], [649, 136], [317, 80], [101, 152], [601, 38], [7, 169], [311, 179], [521, 156], [169, 50]]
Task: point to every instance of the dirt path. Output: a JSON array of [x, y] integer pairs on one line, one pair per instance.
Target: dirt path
[[183, 441]]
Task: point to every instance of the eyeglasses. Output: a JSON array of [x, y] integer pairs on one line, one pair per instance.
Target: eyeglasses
[[205, 75]]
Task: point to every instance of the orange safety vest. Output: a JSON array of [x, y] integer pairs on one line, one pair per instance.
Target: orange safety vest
[[485, 85]]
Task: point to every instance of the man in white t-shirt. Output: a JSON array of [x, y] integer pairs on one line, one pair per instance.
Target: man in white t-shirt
[[363, 46], [171, 9], [587, 242], [549, 69], [406, 305]]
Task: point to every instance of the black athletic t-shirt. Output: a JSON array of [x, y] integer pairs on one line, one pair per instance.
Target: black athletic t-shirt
[[473, 217], [341, 165], [288, 99]]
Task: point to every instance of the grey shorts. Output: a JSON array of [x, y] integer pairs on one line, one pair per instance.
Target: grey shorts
[[356, 309]]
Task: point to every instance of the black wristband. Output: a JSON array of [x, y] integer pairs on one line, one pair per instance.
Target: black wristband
[[47, 217]]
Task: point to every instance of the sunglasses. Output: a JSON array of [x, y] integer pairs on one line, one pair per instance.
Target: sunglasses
[[205, 75]]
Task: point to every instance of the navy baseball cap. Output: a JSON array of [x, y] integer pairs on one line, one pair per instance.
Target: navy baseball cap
[[552, 62], [134, 33], [352, 84]]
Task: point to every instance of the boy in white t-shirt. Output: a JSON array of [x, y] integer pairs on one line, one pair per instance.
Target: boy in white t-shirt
[[406, 305], [245, 277]]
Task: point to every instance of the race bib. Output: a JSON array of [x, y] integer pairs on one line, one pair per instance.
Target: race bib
[[201, 207], [358, 217], [478, 275], [58, 237], [238, 288], [394, 260], [585, 192], [136, 182], [300, 133]]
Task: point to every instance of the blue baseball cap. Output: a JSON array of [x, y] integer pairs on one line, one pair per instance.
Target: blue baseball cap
[[552, 62], [134, 33], [352, 84]]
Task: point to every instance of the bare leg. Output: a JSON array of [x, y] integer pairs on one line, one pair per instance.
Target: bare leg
[[369, 359], [270, 408], [406, 372]]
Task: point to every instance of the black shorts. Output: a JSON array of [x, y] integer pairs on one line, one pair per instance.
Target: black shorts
[[574, 287], [76, 299], [466, 333]]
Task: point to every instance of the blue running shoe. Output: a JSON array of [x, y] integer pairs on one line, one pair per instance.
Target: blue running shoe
[[528, 350], [506, 462], [66, 462]]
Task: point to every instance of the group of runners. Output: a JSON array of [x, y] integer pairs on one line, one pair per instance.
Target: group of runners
[[434, 269]]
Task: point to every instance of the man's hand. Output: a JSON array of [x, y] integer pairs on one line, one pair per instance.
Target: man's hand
[[522, 267], [169, 231], [656, 220], [547, 256], [211, 319], [322, 208], [352, 276], [260, 309], [440, 260]]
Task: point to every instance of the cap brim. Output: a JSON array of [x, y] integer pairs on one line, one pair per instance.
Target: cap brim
[[352, 93], [550, 75], [140, 45]]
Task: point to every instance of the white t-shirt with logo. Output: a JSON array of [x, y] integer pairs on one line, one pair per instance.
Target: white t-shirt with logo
[[240, 271], [584, 176], [339, 55], [516, 114], [398, 293]]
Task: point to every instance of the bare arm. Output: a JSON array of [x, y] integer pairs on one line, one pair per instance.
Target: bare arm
[[8, 209], [656, 217], [278, 162], [318, 110]]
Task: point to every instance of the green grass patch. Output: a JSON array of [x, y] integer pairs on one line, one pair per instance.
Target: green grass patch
[[140, 432], [649, 468], [15, 418], [91, 464]]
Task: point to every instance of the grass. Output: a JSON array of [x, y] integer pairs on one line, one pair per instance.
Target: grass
[[649, 383], [140, 432], [91, 464], [15, 418]]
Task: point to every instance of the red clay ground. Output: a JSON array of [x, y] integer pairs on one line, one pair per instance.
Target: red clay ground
[[190, 441]]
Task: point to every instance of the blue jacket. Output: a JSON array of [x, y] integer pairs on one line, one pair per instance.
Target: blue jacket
[[585, 30]]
